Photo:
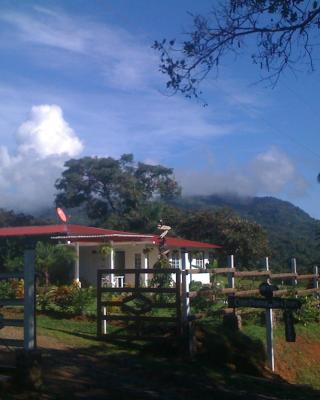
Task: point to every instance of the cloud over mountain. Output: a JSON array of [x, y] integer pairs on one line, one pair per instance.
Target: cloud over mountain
[[269, 172]]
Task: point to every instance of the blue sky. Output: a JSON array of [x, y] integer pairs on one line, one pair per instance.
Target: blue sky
[[80, 78]]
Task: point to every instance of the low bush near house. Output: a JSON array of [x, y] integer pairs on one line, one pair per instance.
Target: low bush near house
[[6, 290], [11, 289], [62, 297], [44, 299], [69, 300]]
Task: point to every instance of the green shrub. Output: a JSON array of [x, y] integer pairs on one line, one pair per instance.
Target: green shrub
[[309, 312], [11, 289], [6, 290], [83, 301], [70, 300], [44, 299], [62, 297], [195, 286]]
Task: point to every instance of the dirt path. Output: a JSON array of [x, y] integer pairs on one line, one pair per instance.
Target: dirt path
[[292, 356]]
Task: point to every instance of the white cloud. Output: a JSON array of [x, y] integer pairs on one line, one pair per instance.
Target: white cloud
[[44, 142], [47, 133], [38, 30], [271, 172], [122, 60]]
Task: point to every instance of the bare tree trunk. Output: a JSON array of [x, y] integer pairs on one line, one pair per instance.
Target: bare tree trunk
[[46, 276]]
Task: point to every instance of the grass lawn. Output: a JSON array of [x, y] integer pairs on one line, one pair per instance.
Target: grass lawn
[[71, 332]]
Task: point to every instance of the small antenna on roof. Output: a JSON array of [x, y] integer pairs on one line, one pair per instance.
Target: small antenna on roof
[[163, 251]]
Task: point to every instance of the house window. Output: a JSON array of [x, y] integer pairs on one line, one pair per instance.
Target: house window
[[137, 260], [175, 259], [200, 259]]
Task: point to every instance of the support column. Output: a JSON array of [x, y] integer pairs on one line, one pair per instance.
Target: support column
[[146, 266], [190, 265], [112, 265]]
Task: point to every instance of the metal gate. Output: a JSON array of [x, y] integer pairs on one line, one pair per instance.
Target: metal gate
[[147, 307]]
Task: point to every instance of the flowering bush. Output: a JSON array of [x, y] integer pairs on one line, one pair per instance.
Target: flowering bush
[[70, 300], [12, 289], [62, 297]]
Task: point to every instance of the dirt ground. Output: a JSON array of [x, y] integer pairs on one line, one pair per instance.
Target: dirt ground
[[293, 355]]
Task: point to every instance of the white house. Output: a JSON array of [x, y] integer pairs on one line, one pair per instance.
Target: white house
[[127, 250]]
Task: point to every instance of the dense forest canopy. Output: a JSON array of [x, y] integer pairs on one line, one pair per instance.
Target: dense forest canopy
[[123, 194]]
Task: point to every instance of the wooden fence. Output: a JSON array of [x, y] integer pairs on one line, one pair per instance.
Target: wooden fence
[[28, 303], [123, 310], [232, 274]]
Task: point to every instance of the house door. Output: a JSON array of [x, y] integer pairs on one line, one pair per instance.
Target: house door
[[120, 260]]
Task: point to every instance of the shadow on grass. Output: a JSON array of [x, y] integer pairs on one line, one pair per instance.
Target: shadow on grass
[[86, 373], [65, 315], [130, 370]]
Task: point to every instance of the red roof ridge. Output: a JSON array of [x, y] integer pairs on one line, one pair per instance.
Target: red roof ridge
[[83, 230]]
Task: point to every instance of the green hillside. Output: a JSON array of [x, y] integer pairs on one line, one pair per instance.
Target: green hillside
[[292, 232]]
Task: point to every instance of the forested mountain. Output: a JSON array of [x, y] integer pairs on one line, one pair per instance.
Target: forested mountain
[[291, 231]]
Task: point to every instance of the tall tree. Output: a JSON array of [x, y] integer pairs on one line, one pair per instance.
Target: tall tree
[[283, 33], [245, 239], [122, 193]]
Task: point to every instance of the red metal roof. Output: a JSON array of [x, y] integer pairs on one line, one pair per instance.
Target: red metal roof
[[178, 242], [45, 230], [88, 233]]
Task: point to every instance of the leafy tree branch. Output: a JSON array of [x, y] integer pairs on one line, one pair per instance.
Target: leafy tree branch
[[283, 33]]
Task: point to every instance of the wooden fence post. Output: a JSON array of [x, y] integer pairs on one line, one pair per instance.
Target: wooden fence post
[[231, 274], [185, 288], [294, 270], [269, 328], [29, 339], [316, 279]]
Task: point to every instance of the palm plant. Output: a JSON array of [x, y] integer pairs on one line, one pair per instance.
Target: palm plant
[[49, 255]]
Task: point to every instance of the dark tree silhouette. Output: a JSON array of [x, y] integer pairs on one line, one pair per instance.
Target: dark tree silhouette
[[122, 193], [284, 34]]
